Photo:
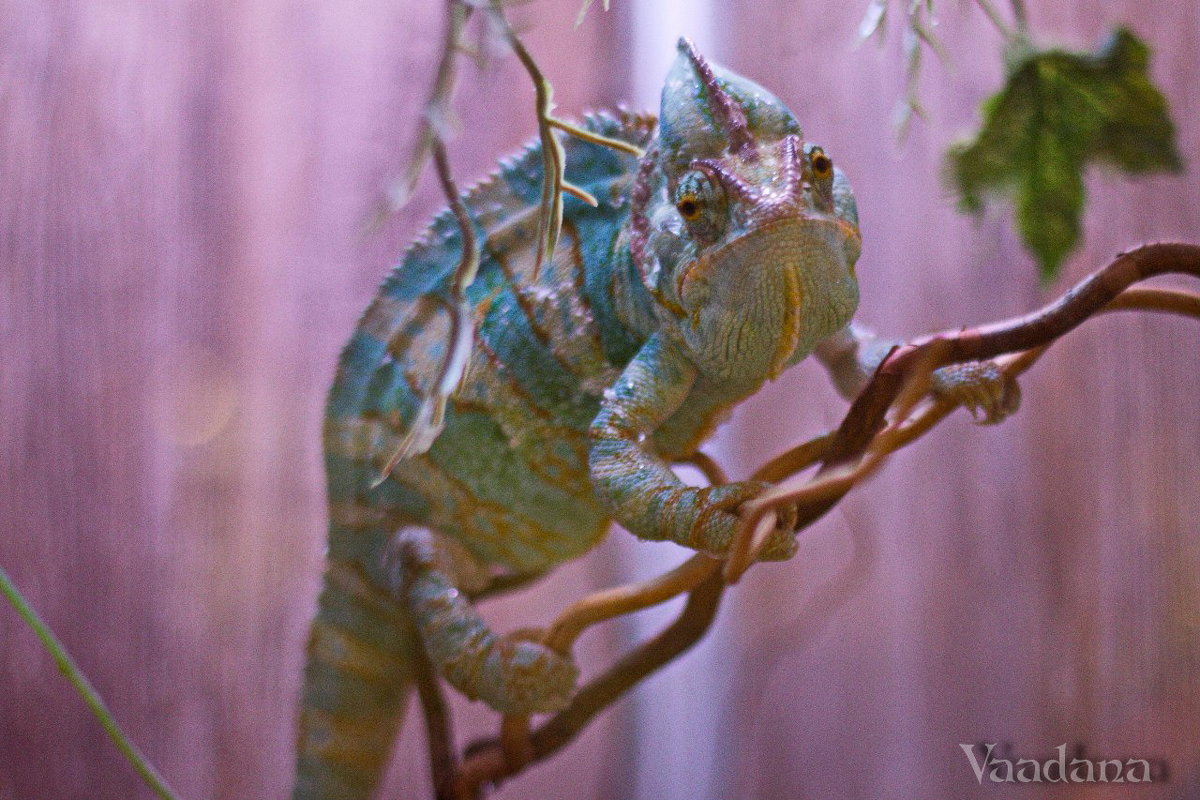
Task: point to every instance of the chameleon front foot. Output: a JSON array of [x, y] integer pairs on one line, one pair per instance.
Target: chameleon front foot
[[726, 499], [511, 675], [982, 387]]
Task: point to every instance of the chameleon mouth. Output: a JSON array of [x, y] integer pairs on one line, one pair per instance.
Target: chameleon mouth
[[794, 240]]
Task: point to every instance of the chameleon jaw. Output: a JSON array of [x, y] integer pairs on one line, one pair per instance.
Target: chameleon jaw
[[757, 302]]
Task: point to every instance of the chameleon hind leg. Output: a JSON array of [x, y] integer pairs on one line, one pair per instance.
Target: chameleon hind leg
[[511, 675]]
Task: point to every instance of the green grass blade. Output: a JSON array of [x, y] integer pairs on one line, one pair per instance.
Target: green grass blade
[[84, 688]]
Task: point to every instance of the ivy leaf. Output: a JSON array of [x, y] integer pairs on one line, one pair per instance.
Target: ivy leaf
[[1058, 112]]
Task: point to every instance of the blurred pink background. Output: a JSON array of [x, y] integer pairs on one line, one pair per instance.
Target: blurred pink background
[[183, 190]]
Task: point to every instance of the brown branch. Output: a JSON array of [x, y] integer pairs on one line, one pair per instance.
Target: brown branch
[[797, 459], [434, 124], [708, 467], [430, 413], [621, 600], [438, 731], [902, 379], [1033, 330], [824, 490], [515, 741], [554, 182], [848, 455], [1165, 301]]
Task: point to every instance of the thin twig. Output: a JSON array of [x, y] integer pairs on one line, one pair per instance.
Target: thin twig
[[621, 600], [798, 459], [515, 742], [1165, 301], [708, 466], [553, 157], [83, 687], [584, 9], [430, 414], [431, 142], [620, 145], [435, 120]]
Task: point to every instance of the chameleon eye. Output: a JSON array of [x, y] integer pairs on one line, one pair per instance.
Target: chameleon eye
[[700, 201], [822, 172], [822, 165], [689, 208]]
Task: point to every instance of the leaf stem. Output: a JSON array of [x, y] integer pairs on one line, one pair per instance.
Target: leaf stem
[[993, 15], [1018, 7]]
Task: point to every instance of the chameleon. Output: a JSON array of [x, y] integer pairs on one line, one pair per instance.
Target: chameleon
[[720, 257]]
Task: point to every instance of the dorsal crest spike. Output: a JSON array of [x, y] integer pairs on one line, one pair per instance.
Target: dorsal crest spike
[[793, 166], [729, 115]]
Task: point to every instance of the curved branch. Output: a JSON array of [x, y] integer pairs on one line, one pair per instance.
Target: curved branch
[[1163, 301], [848, 455], [797, 459], [708, 467], [1041, 327], [858, 448], [859, 445], [621, 600]]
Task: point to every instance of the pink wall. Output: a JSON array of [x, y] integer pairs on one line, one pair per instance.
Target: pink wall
[[182, 192]]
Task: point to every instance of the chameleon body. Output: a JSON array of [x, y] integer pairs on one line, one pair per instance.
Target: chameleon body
[[723, 255]]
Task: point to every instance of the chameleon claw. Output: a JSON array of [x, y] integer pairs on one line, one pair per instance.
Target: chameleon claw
[[985, 390]]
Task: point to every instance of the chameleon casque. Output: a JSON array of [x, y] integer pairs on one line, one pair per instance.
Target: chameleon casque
[[720, 258]]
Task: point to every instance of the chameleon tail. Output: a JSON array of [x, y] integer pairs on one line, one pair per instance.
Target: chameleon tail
[[356, 681]]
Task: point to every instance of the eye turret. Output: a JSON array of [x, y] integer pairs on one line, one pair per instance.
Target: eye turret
[[821, 166], [701, 202]]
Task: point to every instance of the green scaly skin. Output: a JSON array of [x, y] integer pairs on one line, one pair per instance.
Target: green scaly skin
[[723, 256]]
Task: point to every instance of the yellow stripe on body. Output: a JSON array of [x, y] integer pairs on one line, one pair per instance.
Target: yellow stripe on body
[[491, 532]]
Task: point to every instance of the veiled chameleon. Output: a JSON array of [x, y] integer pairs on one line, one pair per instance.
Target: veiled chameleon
[[721, 257]]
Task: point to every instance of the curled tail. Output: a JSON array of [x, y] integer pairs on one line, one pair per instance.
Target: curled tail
[[356, 680]]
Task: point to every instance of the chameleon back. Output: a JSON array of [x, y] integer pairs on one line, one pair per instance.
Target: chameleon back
[[507, 476]]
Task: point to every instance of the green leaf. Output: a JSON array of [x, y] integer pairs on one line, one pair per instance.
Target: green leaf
[[1059, 112]]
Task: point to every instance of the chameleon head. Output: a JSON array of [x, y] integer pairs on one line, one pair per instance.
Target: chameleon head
[[745, 234]]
